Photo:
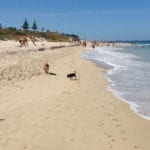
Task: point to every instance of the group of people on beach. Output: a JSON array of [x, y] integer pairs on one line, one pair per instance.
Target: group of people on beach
[[24, 41]]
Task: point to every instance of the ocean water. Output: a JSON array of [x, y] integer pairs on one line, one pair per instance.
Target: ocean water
[[128, 73]]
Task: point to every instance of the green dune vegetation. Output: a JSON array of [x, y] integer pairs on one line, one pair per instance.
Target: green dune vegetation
[[12, 33]]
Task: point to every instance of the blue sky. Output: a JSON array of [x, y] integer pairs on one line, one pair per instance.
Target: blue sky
[[90, 19]]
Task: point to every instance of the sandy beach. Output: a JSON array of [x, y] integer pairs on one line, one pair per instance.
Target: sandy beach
[[51, 112]]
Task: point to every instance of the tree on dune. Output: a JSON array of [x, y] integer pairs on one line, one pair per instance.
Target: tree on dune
[[34, 26], [0, 26], [25, 25]]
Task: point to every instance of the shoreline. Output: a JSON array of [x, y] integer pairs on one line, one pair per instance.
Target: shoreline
[[110, 90], [129, 105], [132, 104], [53, 112]]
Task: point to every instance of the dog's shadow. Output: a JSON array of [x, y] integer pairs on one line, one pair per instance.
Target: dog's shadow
[[75, 79], [51, 73]]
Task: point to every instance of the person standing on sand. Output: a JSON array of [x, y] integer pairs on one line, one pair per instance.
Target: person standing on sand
[[23, 41], [33, 40]]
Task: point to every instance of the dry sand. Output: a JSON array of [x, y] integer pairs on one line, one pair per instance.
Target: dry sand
[[51, 112]]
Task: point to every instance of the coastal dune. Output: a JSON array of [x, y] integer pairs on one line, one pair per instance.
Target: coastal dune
[[43, 112]]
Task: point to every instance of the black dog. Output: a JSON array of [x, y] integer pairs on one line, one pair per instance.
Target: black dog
[[72, 75]]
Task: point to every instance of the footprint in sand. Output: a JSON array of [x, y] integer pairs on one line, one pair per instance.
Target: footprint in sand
[[124, 132], [115, 119], [124, 139], [135, 146], [118, 125], [108, 114], [108, 135], [111, 146], [113, 140], [27, 147], [65, 92]]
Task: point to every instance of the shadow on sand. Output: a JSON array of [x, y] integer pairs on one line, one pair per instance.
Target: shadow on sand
[[51, 73]]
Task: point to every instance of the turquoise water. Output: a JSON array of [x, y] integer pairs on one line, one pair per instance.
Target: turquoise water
[[128, 73]]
